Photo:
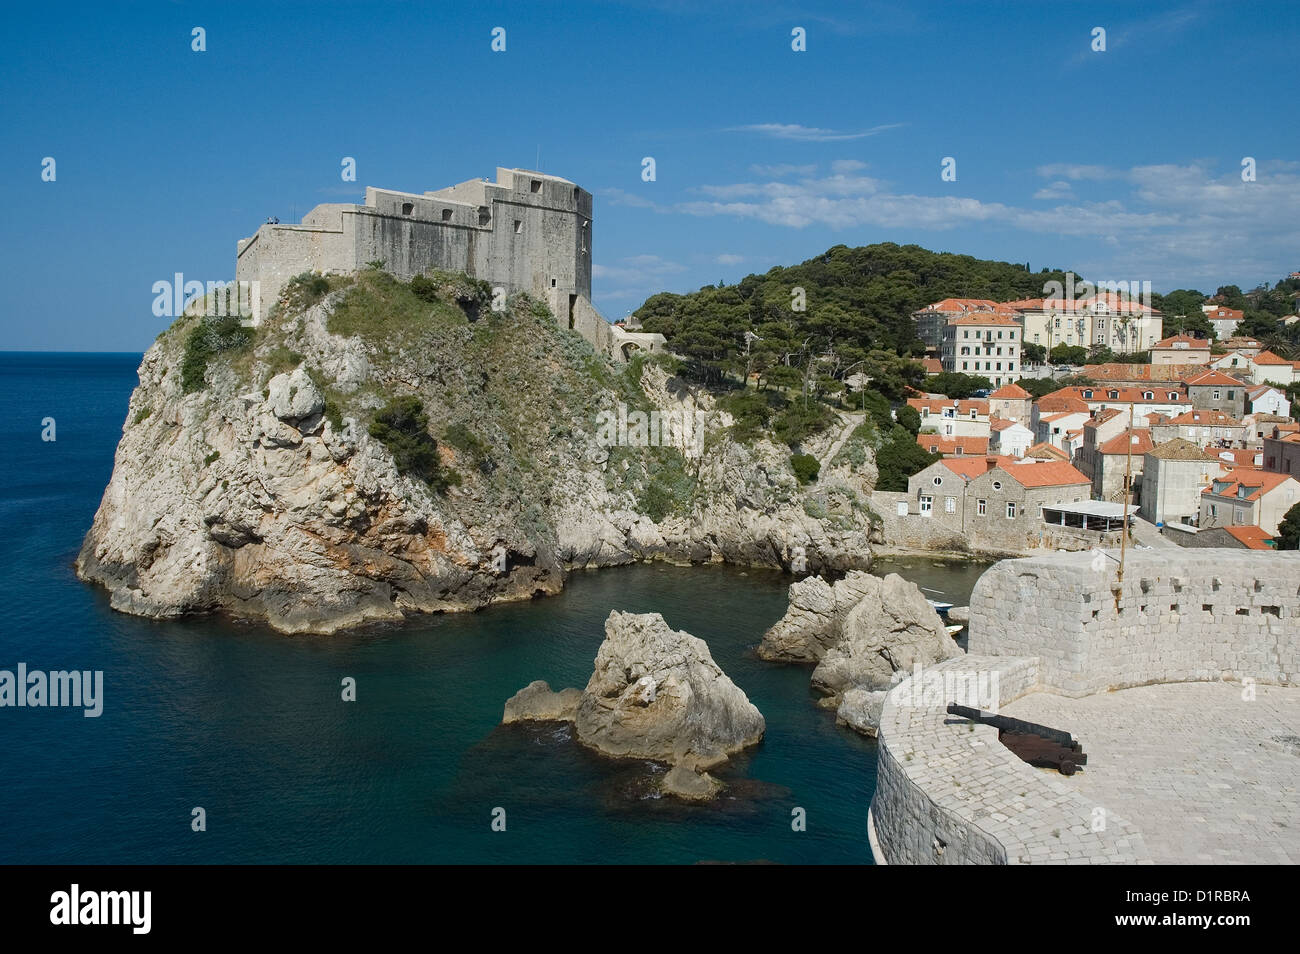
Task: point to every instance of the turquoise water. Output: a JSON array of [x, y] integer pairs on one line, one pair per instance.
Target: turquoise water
[[249, 724]]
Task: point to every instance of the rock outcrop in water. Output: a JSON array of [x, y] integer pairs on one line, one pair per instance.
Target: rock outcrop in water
[[863, 632], [656, 694], [247, 479]]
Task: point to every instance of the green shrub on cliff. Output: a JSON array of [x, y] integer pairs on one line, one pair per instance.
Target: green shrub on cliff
[[210, 337], [403, 427], [806, 467]]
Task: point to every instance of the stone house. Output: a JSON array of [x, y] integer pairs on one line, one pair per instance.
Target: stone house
[[1249, 498], [952, 418], [1268, 368], [1181, 349], [1216, 391], [953, 446], [1125, 451], [1173, 474], [1010, 438], [1011, 402], [994, 503], [984, 343], [1282, 453], [1267, 399], [1201, 428]]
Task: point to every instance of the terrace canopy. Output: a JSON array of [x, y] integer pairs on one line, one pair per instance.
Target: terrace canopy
[[1100, 515]]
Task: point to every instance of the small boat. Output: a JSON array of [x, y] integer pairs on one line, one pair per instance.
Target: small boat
[[939, 607], [954, 628]]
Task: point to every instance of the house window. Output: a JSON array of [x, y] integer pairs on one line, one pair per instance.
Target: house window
[[535, 185], [552, 282], [927, 505], [519, 226], [959, 450], [934, 448], [1147, 395], [1113, 395], [1241, 515], [982, 507], [972, 414], [1232, 395], [408, 208], [1216, 394], [963, 365], [925, 412], [1087, 395], [949, 504], [1173, 395], [1011, 510]]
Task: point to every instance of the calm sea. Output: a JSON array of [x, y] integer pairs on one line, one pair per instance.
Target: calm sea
[[249, 725]]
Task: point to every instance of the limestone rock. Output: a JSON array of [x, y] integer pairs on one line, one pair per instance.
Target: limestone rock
[[686, 783], [959, 615], [537, 703], [814, 622], [860, 710], [656, 693], [294, 397], [891, 629]]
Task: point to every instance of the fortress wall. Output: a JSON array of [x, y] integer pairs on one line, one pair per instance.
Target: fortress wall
[[1201, 615], [949, 793], [278, 253]]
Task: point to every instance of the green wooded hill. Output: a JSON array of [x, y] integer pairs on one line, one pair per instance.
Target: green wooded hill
[[858, 301]]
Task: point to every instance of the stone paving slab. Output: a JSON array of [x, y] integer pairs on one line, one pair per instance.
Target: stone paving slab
[[1205, 776]]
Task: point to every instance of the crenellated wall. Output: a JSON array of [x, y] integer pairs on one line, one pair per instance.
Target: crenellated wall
[[1193, 615]]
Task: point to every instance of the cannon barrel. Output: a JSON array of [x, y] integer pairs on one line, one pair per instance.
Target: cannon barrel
[[1007, 724]]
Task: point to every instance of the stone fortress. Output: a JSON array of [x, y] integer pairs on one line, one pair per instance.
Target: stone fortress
[[526, 232], [1182, 683]]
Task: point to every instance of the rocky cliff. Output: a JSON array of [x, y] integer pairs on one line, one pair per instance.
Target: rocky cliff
[[253, 476]]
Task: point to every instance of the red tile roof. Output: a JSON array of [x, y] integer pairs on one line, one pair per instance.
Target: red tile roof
[[970, 467], [1223, 314], [958, 446], [1128, 393], [1214, 377], [1268, 357], [939, 405], [1155, 373], [1010, 392], [1044, 473], [1253, 537], [1120, 443], [932, 365], [1198, 344], [1255, 483], [985, 318], [1043, 450], [1206, 419], [1064, 401], [958, 305]]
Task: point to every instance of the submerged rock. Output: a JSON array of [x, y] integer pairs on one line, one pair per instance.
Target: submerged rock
[[655, 694], [537, 703]]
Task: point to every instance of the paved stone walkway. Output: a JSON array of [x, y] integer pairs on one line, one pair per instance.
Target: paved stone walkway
[[1205, 776]]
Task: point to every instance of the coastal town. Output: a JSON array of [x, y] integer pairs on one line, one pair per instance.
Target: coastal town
[[1191, 438]]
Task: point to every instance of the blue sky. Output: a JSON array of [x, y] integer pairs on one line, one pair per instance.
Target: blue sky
[[1123, 164]]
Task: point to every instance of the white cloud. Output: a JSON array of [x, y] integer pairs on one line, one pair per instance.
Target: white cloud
[[727, 259], [809, 133], [1060, 189], [844, 166], [1163, 223], [780, 170]]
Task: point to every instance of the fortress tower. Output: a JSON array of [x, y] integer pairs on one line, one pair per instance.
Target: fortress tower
[[526, 232]]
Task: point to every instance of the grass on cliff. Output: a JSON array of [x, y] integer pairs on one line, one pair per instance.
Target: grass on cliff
[[385, 312]]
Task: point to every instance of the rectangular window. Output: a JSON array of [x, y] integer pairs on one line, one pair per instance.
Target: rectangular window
[[446, 215], [982, 507], [1241, 515], [1011, 510], [949, 504], [1232, 395], [408, 208], [535, 185], [1216, 394], [519, 226], [927, 505]]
